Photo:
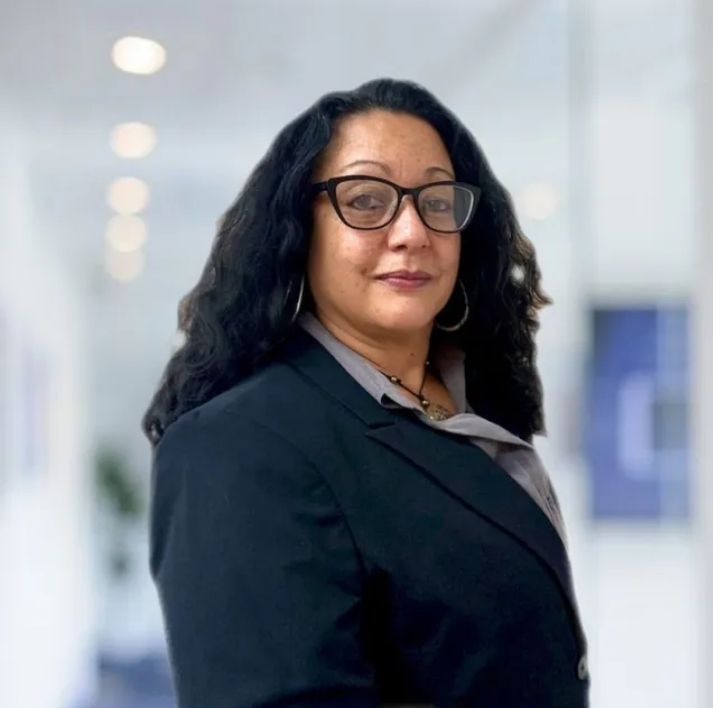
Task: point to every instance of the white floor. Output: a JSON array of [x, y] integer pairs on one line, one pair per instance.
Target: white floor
[[637, 586]]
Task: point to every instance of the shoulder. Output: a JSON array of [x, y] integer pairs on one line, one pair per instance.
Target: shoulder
[[302, 395], [262, 411], [261, 394], [225, 452], [221, 477]]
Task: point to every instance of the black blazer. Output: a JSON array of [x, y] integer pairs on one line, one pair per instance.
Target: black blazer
[[311, 548]]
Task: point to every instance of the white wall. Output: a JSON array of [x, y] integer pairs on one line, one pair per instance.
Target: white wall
[[46, 596]]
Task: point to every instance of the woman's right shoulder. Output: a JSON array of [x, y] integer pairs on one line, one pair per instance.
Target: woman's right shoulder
[[268, 399]]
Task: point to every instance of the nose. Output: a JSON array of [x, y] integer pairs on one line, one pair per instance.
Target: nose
[[407, 227]]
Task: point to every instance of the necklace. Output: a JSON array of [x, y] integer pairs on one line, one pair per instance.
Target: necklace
[[434, 411]]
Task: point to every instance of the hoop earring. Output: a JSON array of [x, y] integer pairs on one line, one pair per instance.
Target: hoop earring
[[299, 300], [461, 322]]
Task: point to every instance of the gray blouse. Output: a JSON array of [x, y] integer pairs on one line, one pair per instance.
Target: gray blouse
[[515, 456]]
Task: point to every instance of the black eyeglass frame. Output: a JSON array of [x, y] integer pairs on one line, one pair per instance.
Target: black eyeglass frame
[[330, 186]]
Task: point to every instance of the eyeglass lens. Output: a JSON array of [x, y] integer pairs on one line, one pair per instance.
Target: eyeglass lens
[[369, 204]]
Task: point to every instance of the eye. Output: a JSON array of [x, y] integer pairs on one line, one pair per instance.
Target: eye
[[438, 205], [365, 202], [366, 197]]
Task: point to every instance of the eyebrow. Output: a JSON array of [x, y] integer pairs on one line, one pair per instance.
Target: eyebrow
[[429, 170]]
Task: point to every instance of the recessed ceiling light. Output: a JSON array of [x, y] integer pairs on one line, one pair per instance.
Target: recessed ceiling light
[[138, 55], [126, 233], [124, 266], [128, 195], [133, 140]]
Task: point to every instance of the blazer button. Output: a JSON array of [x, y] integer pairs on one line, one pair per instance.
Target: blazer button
[[582, 669]]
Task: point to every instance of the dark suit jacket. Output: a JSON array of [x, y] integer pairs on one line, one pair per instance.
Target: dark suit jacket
[[312, 548]]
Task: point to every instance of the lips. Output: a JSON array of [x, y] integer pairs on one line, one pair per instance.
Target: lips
[[418, 275]]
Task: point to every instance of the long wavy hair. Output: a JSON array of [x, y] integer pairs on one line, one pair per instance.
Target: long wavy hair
[[240, 311]]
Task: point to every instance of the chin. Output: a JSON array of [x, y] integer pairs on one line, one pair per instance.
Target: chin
[[404, 319]]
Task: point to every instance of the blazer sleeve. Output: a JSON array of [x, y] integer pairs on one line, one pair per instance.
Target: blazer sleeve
[[258, 577]]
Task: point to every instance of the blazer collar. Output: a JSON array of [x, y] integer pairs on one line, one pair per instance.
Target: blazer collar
[[462, 469]]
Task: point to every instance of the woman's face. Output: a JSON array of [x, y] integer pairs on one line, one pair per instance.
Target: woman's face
[[345, 265]]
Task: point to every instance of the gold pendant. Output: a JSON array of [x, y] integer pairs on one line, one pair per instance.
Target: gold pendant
[[436, 412]]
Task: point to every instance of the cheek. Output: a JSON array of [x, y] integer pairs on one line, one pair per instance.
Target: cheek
[[358, 254], [455, 248], [341, 260], [448, 254]]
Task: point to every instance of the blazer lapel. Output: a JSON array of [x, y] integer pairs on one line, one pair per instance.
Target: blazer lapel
[[468, 473], [464, 470]]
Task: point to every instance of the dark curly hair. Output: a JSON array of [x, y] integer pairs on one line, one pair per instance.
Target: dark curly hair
[[240, 311]]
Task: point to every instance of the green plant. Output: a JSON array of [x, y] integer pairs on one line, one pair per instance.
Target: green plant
[[120, 494]]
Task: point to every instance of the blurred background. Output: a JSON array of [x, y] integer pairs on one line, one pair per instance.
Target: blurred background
[[126, 129]]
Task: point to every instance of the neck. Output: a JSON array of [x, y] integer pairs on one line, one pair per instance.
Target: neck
[[401, 354]]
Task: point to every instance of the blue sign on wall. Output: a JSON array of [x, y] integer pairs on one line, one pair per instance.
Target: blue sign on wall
[[636, 418]]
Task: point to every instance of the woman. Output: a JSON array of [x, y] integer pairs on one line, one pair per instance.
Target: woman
[[347, 508]]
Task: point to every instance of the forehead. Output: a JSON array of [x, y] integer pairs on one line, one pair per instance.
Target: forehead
[[402, 142]]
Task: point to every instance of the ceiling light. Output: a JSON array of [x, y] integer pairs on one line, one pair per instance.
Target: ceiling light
[[133, 140], [126, 233], [124, 266], [138, 55], [128, 195]]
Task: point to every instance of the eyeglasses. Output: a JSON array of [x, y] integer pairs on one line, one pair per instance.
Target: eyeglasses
[[365, 202]]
